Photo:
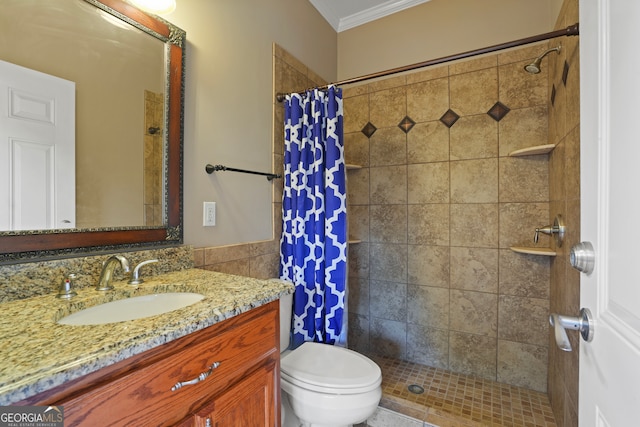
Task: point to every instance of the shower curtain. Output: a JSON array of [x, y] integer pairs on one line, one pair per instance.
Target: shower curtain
[[313, 246]]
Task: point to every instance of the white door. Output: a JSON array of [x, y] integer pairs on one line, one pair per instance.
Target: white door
[[37, 150], [610, 209]]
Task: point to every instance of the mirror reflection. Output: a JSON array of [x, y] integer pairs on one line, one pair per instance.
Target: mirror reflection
[[92, 154]]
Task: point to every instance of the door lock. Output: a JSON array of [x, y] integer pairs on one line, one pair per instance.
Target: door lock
[[582, 257]]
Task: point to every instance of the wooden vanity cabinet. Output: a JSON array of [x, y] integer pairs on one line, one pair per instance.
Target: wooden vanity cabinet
[[246, 404], [242, 389]]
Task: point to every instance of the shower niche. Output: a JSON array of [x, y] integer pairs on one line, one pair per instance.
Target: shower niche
[[532, 151]]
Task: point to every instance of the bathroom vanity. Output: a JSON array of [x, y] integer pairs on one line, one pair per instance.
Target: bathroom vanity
[[142, 389], [215, 362]]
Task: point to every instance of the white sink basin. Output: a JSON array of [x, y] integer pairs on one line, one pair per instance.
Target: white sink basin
[[131, 308]]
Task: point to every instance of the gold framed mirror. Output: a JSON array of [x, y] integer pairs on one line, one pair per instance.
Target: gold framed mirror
[[31, 244]]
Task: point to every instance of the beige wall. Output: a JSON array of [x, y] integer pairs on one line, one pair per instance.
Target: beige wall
[[261, 259], [439, 28], [228, 109]]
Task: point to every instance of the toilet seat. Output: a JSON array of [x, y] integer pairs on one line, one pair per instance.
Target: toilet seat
[[329, 369]]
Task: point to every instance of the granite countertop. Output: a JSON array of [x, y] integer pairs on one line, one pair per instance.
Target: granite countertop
[[37, 354]]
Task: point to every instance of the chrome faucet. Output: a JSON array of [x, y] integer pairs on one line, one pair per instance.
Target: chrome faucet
[[104, 284]]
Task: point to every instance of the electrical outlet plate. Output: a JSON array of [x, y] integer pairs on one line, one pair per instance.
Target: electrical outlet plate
[[209, 214]]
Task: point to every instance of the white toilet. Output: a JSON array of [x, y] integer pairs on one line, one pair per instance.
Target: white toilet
[[324, 385]]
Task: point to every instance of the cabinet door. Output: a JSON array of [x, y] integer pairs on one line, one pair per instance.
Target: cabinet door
[[249, 403]]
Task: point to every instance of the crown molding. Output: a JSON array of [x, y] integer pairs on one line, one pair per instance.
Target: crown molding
[[376, 12], [328, 13]]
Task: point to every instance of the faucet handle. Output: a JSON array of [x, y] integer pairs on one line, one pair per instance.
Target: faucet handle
[[65, 291], [546, 230], [135, 276], [558, 229]]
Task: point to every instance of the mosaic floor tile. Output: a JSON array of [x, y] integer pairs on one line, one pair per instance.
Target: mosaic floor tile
[[452, 399]]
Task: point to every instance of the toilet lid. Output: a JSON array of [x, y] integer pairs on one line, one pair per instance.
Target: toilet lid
[[328, 368]]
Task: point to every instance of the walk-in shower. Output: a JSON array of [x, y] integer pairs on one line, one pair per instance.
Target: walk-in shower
[[416, 272]]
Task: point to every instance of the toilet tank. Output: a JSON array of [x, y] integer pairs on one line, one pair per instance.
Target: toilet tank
[[286, 307]]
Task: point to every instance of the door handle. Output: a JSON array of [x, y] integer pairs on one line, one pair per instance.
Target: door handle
[[583, 323]]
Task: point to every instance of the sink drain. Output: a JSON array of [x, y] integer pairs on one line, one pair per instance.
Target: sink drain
[[415, 389]]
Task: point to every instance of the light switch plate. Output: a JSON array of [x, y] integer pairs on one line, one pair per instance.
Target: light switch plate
[[209, 214]]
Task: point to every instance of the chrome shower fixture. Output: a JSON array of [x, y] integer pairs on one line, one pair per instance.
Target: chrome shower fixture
[[534, 67]]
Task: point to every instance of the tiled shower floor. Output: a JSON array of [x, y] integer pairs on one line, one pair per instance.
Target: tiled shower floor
[[452, 400]]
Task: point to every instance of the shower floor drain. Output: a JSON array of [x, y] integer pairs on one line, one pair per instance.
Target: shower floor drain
[[415, 389]]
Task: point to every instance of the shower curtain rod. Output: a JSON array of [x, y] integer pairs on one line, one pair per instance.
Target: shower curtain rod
[[572, 30]]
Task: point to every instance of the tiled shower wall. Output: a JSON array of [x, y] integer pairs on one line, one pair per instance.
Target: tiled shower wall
[[153, 157], [564, 171], [437, 204]]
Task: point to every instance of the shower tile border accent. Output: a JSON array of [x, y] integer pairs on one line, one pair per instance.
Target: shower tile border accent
[[498, 111], [449, 118], [406, 124], [369, 129], [565, 73]]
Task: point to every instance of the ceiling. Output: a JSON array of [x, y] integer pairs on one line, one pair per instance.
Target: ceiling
[[345, 14]]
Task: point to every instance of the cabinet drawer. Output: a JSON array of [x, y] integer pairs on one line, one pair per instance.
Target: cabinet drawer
[[145, 396], [250, 403]]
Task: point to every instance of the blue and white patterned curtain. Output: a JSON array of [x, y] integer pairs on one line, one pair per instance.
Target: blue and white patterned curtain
[[313, 247]]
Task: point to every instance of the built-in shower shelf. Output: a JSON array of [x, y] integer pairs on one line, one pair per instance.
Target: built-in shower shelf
[[530, 151], [354, 241], [352, 166], [534, 251]]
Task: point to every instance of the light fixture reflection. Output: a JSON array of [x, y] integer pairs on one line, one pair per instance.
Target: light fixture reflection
[[158, 7], [113, 20]]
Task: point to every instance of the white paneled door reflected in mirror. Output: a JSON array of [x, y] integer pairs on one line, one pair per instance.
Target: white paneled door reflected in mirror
[[119, 130]]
